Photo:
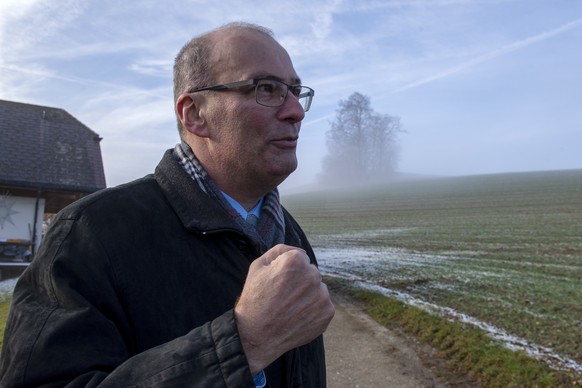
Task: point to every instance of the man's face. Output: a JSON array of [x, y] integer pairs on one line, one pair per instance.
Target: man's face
[[253, 144]]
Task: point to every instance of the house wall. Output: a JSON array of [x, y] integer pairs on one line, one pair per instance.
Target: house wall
[[17, 219]]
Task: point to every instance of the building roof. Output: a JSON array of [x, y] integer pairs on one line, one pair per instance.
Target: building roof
[[47, 148]]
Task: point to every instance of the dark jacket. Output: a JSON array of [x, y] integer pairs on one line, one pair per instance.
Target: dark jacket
[[135, 287]]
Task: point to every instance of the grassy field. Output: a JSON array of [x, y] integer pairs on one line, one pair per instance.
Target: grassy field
[[4, 308], [503, 249]]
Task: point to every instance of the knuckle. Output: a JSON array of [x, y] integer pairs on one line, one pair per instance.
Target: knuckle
[[297, 258]]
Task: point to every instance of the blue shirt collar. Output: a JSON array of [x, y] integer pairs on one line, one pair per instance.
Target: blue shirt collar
[[256, 210]]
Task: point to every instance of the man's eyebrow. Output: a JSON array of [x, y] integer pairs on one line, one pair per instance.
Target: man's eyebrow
[[294, 81]]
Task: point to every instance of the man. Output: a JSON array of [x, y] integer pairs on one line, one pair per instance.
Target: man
[[162, 282]]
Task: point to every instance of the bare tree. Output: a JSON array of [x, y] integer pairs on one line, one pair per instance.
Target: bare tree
[[362, 144]]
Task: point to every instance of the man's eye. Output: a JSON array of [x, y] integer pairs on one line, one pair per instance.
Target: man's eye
[[266, 87], [296, 90]]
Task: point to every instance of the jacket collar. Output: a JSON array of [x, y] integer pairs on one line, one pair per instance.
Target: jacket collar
[[196, 209]]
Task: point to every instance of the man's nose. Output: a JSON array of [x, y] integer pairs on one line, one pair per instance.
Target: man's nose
[[292, 109]]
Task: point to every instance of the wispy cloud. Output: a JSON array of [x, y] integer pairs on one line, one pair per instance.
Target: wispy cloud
[[25, 23], [42, 73], [153, 67], [514, 46]]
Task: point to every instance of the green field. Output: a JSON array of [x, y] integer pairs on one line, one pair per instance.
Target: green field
[[503, 249], [4, 308]]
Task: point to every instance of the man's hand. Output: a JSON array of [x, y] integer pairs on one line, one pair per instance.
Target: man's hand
[[283, 305]]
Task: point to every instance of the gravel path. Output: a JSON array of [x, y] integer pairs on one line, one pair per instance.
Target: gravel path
[[362, 353]]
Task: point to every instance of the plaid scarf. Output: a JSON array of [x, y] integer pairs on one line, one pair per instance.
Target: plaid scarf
[[270, 229]]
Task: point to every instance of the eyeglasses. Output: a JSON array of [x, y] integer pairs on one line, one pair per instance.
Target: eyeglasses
[[269, 92]]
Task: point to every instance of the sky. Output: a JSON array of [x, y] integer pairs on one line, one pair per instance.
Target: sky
[[480, 87]]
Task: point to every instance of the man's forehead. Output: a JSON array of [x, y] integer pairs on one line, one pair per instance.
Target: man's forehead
[[253, 54]]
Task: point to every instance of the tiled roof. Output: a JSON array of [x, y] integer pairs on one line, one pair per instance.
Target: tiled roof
[[45, 147]]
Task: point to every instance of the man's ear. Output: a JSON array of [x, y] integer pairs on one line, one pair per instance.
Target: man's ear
[[188, 111]]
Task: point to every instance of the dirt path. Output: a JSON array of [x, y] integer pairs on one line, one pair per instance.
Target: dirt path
[[362, 353]]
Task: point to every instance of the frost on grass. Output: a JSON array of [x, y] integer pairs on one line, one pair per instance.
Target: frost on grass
[[368, 268], [6, 288]]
